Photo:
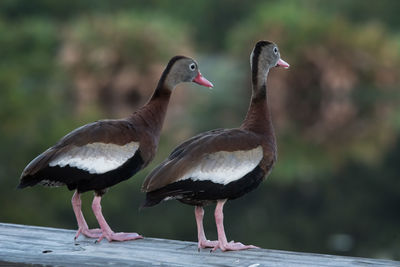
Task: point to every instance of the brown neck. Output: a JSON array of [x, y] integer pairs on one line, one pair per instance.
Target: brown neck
[[258, 118], [152, 114]]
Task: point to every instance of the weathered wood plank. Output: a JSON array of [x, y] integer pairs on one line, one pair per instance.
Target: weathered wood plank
[[49, 246]]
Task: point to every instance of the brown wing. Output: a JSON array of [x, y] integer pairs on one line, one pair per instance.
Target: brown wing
[[118, 132], [192, 152]]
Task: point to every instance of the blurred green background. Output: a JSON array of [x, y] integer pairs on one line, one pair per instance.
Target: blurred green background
[[335, 188]]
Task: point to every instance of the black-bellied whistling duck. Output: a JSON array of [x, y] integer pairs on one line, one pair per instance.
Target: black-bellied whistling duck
[[103, 153], [222, 164]]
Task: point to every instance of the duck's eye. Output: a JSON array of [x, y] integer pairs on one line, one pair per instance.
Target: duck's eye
[[192, 66], [275, 50]]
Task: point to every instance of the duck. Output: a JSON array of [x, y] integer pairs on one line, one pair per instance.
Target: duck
[[222, 164], [103, 153]]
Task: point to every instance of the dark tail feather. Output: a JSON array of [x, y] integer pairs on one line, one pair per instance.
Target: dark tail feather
[[152, 199], [155, 197], [27, 181]]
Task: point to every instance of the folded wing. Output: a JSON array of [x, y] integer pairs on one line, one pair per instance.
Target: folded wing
[[95, 148], [220, 156]]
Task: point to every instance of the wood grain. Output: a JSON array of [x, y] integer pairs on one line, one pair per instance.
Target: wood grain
[[21, 244]]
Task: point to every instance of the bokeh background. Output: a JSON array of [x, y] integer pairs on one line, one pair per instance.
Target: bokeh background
[[336, 186]]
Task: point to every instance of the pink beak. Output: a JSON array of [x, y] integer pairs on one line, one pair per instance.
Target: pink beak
[[282, 63], [202, 81]]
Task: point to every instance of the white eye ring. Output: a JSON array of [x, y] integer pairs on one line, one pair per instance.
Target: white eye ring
[[275, 50], [192, 66]]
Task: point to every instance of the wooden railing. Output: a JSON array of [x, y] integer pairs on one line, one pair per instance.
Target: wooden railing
[[21, 244]]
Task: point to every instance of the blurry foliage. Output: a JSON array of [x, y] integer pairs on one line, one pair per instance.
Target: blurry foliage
[[27, 79], [359, 11], [34, 109], [208, 20], [112, 59], [335, 187]]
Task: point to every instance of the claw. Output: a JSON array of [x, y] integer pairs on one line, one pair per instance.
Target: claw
[[206, 244], [91, 233], [111, 236], [232, 246]]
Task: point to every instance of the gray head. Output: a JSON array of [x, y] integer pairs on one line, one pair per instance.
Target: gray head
[[183, 69], [264, 56]]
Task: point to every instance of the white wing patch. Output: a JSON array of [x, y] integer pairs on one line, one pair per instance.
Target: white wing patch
[[96, 158], [224, 167]]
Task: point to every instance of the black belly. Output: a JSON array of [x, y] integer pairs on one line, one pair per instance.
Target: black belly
[[82, 180], [205, 192]]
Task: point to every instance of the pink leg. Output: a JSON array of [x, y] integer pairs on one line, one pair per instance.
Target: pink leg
[[106, 230], [203, 242], [222, 241], [82, 225]]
